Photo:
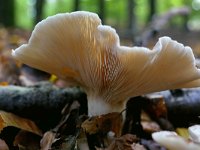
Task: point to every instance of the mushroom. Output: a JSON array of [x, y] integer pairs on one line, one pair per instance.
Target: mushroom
[[194, 132], [79, 49], [172, 141]]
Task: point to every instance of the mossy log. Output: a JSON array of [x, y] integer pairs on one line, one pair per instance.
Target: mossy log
[[41, 103], [183, 106]]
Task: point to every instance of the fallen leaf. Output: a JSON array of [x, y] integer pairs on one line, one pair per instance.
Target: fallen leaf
[[9, 71], [104, 124], [16, 40], [157, 106], [183, 132], [47, 140], [125, 142], [9, 119], [27, 140], [151, 145], [3, 38], [136, 146], [69, 143], [150, 126], [3, 83], [53, 78]]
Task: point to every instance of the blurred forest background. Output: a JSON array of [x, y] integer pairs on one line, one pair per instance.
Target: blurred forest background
[[135, 20], [138, 23]]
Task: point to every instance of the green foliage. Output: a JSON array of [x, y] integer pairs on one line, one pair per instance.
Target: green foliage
[[116, 13], [23, 13], [115, 10], [142, 11], [89, 5], [53, 7]]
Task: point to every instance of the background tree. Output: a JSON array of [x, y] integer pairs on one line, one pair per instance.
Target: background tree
[[39, 10], [131, 18], [7, 13], [102, 10], [152, 7], [76, 5]]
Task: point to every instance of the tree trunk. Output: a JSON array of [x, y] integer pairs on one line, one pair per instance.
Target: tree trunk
[[102, 10], [39, 10], [76, 5], [7, 13], [152, 6], [131, 19], [41, 103]]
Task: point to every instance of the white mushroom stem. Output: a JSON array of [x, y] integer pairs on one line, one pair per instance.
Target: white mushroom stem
[[79, 49]]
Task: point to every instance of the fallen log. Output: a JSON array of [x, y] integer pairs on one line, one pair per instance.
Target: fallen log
[[183, 106], [41, 103]]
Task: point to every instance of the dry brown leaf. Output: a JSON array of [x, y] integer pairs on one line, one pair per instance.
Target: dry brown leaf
[[136, 146], [16, 40], [9, 71], [157, 106], [104, 123], [9, 119], [3, 38], [3, 83], [47, 140], [150, 126], [125, 142], [27, 140]]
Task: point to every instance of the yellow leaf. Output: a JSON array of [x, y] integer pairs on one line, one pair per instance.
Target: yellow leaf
[[3, 83], [183, 132], [53, 78]]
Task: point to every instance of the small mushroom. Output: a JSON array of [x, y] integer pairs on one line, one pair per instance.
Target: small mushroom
[[172, 141], [194, 132], [79, 49]]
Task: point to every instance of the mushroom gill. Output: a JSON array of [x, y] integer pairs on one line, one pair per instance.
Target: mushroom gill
[[79, 49]]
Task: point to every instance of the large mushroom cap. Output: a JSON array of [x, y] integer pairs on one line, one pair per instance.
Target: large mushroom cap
[[78, 48]]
